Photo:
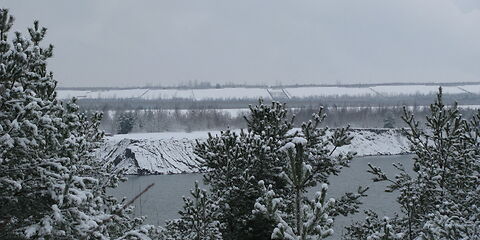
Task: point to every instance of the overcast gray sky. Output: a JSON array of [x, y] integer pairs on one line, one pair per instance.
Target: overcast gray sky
[[134, 43]]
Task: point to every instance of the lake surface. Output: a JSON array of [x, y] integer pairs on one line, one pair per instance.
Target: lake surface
[[164, 200]]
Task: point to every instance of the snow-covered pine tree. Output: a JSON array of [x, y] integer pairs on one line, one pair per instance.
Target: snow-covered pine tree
[[238, 161], [374, 228], [300, 219], [198, 219], [442, 199], [231, 159], [51, 187], [296, 216]]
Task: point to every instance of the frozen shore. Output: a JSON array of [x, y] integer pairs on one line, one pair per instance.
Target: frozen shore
[[173, 152]]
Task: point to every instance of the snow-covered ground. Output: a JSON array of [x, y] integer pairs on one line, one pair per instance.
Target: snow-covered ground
[[265, 93], [306, 92], [172, 152], [414, 90]]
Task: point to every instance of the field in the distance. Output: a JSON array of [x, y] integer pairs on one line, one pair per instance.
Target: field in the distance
[[272, 93]]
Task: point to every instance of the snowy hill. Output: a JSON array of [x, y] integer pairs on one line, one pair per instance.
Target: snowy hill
[[269, 93], [172, 153]]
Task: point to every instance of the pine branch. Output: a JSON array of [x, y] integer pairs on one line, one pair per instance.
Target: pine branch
[[119, 210]]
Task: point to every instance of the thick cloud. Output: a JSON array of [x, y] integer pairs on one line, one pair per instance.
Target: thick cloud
[[134, 43]]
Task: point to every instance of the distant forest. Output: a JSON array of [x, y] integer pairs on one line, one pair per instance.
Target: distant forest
[[161, 120], [339, 101], [143, 115]]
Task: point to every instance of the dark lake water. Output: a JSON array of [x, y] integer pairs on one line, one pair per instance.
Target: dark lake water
[[164, 200]]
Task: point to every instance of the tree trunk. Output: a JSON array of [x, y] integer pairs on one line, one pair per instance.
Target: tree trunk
[[298, 214]]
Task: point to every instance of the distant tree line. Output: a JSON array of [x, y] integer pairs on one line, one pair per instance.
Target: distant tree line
[[122, 122], [330, 101], [162, 120]]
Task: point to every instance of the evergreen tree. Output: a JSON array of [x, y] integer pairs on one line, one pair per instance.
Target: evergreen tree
[[231, 158], [297, 216], [198, 221], [441, 200], [374, 228], [302, 219], [125, 121], [238, 161], [51, 187]]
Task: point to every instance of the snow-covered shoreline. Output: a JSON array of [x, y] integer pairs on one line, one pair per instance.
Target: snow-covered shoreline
[[173, 152]]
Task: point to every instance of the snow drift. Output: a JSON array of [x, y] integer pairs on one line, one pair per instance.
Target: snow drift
[[172, 153]]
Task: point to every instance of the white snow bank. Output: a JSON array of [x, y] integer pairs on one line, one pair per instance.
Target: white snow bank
[[414, 90], [368, 142], [163, 135], [306, 92], [473, 88], [147, 156], [172, 152]]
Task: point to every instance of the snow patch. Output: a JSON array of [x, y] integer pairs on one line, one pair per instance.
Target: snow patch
[[299, 140]]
